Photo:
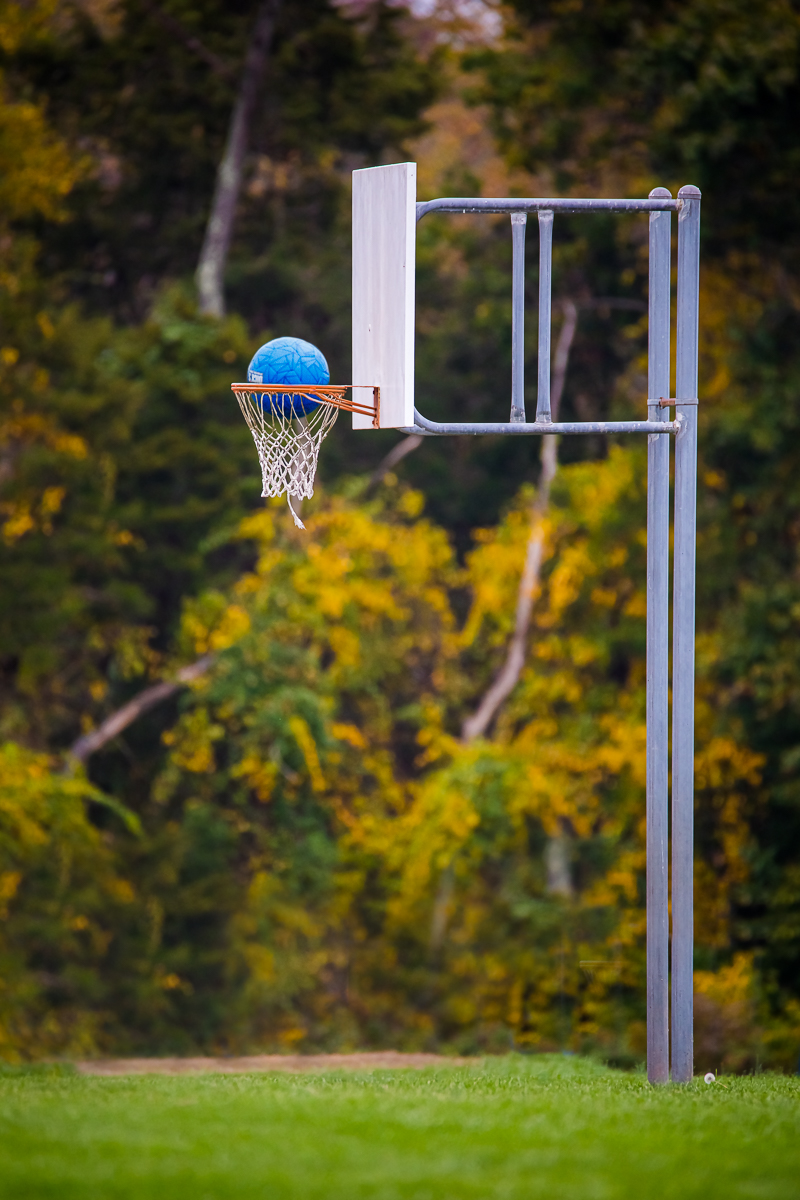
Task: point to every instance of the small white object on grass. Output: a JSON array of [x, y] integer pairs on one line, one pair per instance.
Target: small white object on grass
[[710, 1077]]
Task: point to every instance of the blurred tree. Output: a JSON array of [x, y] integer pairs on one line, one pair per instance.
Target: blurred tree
[[322, 861], [152, 112], [353, 871], [127, 462], [326, 654], [604, 99], [63, 904], [227, 190]]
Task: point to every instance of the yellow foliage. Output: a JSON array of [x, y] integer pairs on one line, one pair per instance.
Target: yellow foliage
[[303, 737], [579, 777], [213, 624], [18, 523], [513, 866], [234, 624], [53, 860], [23, 23], [38, 169], [259, 775], [193, 741], [349, 734], [19, 430], [732, 984], [9, 882]]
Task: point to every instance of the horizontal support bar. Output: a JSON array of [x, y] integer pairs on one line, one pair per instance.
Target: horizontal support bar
[[423, 426], [480, 204]]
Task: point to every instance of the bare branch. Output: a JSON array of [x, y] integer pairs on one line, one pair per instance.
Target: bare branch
[[506, 679], [217, 240], [135, 708], [397, 453], [565, 340], [508, 676]]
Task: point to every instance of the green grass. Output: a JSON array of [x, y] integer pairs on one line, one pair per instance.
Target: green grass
[[548, 1127]]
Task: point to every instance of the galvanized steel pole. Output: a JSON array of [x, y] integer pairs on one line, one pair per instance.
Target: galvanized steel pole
[[658, 373], [564, 204], [683, 636], [518, 223], [545, 285]]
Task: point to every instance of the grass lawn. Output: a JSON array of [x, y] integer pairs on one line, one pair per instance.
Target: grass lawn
[[546, 1126]]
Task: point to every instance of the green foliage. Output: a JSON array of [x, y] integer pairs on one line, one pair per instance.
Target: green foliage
[[619, 98], [357, 872], [62, 900], [152, 116], [120, 462], [703, 92], [311, 709]]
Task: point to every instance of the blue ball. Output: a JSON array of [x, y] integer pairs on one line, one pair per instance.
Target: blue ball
[[289, 360]]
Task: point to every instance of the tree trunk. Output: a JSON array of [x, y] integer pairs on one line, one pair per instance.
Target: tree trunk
[[217, 240], [508, 676], [559, 875]]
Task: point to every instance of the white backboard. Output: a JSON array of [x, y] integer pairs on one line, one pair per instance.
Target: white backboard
[[384, 242]]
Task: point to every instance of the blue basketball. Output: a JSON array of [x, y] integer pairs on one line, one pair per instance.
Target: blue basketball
[[289, 360]]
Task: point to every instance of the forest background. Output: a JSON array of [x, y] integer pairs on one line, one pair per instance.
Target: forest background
[[400, 799]]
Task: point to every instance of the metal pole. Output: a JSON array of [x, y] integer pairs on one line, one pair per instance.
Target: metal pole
[[523, 428], [683, 637], [658, 371], [545, 285], [518, 223], [506, 204]]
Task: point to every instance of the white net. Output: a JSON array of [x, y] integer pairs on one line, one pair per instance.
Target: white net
[[288, 442]]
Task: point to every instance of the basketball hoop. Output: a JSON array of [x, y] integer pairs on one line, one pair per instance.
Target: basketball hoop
[[385, 216], [288, 433]]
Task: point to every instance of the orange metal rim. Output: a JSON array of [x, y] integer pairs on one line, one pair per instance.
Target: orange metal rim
[[333, 394]]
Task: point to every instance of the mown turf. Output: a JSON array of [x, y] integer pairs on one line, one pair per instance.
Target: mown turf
[[516, 1127]]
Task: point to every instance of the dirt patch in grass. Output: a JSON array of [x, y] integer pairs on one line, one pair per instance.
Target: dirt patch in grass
[[371, 1060]]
